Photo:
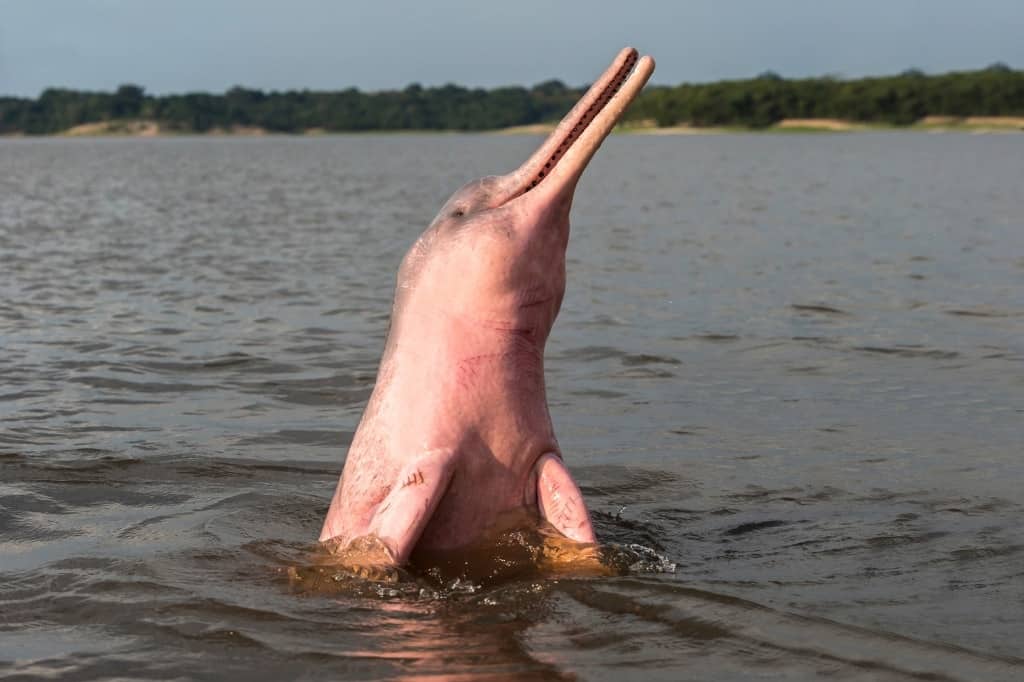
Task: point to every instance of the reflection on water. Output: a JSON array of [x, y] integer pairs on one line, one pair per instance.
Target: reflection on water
[[789, 365]]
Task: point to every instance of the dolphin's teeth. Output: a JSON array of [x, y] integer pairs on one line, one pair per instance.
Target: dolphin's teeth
[[587, 117]]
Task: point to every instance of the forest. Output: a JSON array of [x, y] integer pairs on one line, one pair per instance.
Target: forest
[[753, 103]]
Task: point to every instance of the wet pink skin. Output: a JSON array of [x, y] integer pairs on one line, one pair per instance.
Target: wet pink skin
[[457, 431]]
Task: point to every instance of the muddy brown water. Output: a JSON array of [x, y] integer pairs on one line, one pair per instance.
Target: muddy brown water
[[790, 367]]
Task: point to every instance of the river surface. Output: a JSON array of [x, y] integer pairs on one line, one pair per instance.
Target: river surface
[[789, 371]]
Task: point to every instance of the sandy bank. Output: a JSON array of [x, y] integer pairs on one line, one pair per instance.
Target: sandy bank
[[974, 124], [129, 128], [1016, 122], [148, 128], [828, 124]]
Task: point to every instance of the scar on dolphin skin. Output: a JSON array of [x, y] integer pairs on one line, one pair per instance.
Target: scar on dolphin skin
[[415, 478], [566, 507]]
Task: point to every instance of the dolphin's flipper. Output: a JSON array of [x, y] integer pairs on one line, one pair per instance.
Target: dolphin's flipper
[[404, 512], [560, 500]]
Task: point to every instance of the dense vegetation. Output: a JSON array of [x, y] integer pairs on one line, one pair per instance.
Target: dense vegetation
[[758, 102], [895, 100]]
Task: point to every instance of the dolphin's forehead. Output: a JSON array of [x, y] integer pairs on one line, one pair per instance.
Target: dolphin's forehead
[[476, 208], [474, 196]]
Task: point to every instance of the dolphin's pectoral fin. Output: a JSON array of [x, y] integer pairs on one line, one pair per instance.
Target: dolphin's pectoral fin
[[560, 500], [401, 516]]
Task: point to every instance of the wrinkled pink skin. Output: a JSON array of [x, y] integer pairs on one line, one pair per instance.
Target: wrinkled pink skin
[[457, 432]]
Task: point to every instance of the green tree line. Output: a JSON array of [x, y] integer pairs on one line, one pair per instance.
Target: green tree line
[[895, 100], [755, 103]]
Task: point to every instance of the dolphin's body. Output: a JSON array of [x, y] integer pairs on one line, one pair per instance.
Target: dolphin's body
[[457, 432]]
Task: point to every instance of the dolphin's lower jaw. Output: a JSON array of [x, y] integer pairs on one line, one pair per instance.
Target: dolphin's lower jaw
[[587, 116]]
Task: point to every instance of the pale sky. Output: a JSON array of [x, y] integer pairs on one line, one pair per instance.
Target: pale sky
[[188, 45]]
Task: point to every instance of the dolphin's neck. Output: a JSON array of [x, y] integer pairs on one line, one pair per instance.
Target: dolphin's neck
[[499, 367], [492, 378]]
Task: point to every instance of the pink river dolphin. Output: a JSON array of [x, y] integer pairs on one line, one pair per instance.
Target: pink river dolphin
[[457, 431]]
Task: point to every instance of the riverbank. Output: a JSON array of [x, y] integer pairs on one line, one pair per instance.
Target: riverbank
[[973, 124], [149, 128]]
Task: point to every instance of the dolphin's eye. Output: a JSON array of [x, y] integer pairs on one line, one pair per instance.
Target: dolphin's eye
[[458, 213]]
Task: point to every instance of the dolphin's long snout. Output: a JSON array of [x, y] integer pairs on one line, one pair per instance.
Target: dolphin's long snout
[[560, 161]]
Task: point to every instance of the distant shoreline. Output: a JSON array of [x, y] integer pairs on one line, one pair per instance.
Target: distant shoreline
[[973, 124], [982, 100]]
